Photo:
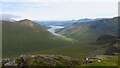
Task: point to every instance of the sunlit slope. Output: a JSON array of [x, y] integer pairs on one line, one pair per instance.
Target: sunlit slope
[[27, 36]]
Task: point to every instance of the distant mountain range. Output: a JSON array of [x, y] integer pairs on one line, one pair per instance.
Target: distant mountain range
[[88, 20], [10, 20], [68, 22], [56, 23]]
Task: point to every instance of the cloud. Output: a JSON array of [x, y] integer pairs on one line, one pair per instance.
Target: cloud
[[8, 16], [58, 11]]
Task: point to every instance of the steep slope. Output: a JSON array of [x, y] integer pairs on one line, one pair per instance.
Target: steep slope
[[91, 31], [25, 36], [113, 44]]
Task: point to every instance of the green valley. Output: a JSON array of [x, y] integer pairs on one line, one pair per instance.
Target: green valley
[[27, 36], [82, 40], [60, 34]]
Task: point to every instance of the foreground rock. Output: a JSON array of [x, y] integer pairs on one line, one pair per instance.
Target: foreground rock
[[41, 60]]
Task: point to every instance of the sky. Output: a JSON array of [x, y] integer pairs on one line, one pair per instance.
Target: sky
[[58, 10]]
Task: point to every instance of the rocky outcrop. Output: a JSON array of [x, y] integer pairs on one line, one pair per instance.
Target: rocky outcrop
[[41, 60]]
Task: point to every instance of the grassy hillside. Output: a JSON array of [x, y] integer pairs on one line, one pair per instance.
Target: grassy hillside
[[91, 31], [103, 33], [106, 60], [27, 36]]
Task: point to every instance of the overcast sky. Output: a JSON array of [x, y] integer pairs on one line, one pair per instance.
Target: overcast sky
[[59, 10]]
